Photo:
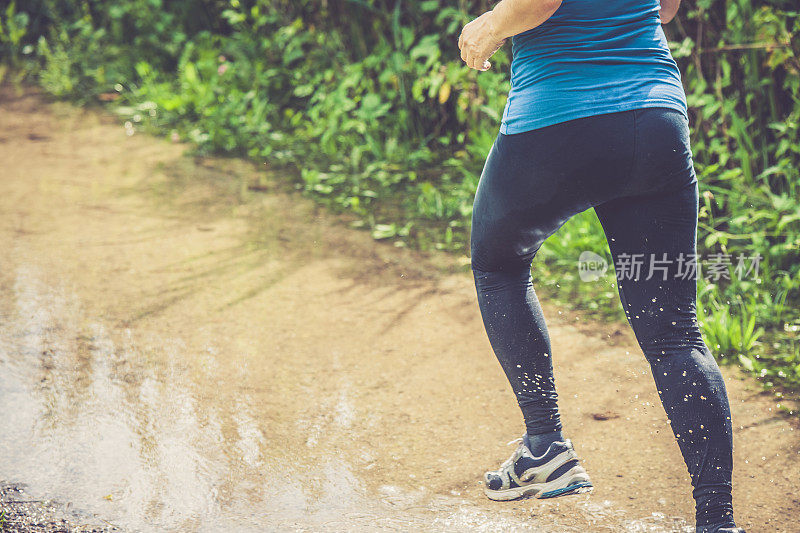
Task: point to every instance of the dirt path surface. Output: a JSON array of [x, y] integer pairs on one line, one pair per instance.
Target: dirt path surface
[[179, 353]]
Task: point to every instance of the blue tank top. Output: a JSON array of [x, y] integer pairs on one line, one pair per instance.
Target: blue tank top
[[591, 57]]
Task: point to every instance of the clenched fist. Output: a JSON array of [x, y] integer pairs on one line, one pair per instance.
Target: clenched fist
[[478, 42]]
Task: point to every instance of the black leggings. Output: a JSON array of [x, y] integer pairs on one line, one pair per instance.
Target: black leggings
[[635, 169]]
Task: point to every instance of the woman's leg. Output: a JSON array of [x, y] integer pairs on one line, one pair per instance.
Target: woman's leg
[[653, 240], [510, 309], [636, 168], [518, 334], [531, 184]]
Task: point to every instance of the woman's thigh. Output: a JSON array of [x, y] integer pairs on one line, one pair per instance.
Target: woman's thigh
[[653, 242], [533, 182]]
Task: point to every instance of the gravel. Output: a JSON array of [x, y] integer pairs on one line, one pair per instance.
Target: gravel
[[21, 512]]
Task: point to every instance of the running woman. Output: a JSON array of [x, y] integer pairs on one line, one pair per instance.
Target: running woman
[[596, 118]]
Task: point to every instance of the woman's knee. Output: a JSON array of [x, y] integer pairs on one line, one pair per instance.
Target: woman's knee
[[496, 248], [484, 253], [491, 261], [495, 264]]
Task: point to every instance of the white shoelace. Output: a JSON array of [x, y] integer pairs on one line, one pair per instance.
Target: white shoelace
[[514, 456]]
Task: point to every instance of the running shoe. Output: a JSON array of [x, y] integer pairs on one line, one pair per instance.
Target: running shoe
[[555, 473], [717, 529]]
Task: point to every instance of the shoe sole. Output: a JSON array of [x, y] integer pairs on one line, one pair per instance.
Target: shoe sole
[[575, 481]]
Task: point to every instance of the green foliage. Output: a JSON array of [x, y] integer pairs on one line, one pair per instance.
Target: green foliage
[[729, 335], [13, 27], [369, 102]]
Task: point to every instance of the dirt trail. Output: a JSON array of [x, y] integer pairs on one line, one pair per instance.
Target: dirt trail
[[178, 353]]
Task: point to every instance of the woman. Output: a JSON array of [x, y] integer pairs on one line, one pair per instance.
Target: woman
[[596, 117]]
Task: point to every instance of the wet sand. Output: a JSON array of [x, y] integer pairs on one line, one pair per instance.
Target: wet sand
[[180, 353]]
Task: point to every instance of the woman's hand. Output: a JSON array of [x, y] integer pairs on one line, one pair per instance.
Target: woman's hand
[[478, 42]]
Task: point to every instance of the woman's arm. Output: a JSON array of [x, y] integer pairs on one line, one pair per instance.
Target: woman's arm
[[482, 37], [668, 10], [511, 17]]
